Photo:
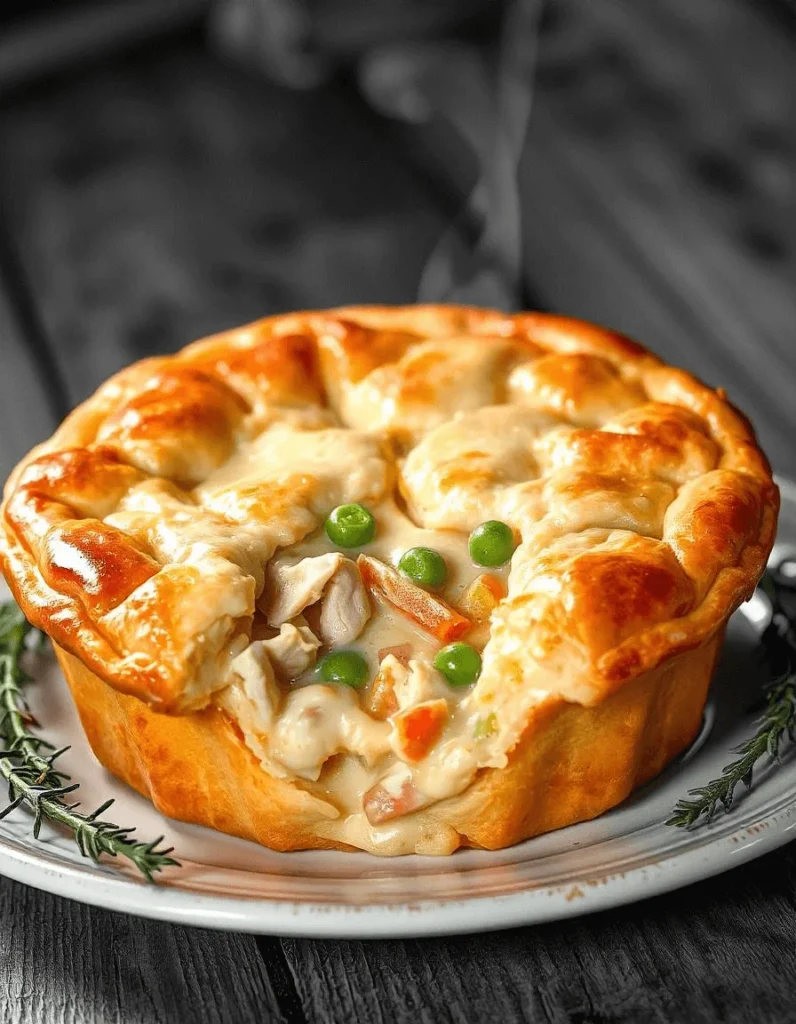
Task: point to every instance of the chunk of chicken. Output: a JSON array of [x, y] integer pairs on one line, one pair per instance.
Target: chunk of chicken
[[251, 676], [294, 650], [398, 687], [297, 734], [320, 721], [252, 700], [345, 607], [420, 683], [332, 578]]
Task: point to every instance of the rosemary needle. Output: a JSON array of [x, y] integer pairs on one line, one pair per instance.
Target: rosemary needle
[[775, 726], [28, 766], [777, 722]]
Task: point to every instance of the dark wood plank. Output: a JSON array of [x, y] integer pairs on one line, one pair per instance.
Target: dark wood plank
[[721, 950], [29, 409], [657, 186], [163, 197], [65, 963], [34, 47]]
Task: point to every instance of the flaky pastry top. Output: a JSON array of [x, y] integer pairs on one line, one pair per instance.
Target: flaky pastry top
[[139, 534]]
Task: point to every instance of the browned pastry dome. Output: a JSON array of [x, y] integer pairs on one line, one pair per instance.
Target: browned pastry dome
[[165, 535]]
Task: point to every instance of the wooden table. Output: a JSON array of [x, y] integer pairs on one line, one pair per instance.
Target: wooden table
[[158, 197]]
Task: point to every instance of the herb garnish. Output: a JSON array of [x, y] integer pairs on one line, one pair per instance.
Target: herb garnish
[[28, 765], [775, 726]]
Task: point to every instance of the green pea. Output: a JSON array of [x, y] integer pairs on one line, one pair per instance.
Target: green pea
[[346, 667], [425, 566], [492, 543], [350, 526], [459, 663]]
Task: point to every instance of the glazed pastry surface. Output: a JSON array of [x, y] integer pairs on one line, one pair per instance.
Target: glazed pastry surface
[[170, 538]]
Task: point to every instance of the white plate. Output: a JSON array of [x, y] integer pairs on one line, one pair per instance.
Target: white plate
[[626, 855]]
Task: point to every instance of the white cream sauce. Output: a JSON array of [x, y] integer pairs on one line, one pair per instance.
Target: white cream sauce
[[395, 534], [297, 727]]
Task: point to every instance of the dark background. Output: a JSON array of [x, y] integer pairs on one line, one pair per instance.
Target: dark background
[[169, 169]]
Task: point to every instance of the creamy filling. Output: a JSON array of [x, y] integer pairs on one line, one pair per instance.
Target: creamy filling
[[296, 725]]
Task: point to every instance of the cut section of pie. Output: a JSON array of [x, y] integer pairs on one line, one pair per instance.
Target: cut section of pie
[[395, 579]]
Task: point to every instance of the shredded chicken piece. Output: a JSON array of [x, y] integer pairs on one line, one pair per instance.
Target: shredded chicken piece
[[252, 678], [398, 687], [332, 579], [252, 700], [319, 721], [415, 684], [294, 650], [345, 607]]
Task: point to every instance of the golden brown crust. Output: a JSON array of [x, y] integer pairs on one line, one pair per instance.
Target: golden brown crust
[[574, 762], [571, 763], [646, 508], [193, 767]]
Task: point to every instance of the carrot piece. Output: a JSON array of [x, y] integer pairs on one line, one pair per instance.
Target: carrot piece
[[427, 610], [393, 796], [482, 597], [419, 728], [382, 702], [402, 652]]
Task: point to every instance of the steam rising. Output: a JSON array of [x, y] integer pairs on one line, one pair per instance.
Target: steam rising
[[489, 110]]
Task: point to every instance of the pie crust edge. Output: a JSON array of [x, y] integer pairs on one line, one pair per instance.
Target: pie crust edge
[[572, 762], [627, 735]]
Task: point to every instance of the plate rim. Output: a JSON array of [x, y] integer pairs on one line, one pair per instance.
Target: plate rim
[[424, 918]]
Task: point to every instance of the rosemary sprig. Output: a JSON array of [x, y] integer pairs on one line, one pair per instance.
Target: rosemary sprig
[[28, 766], [775, 726], [778, 720]]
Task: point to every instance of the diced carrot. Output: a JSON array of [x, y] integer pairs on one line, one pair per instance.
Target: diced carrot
[[427, 610], [419, 728], [482, 597], [391, 798], [381, 701], [403, 652], [379, 805]]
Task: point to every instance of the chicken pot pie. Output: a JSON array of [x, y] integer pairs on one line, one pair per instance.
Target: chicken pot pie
[[395, 579]]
